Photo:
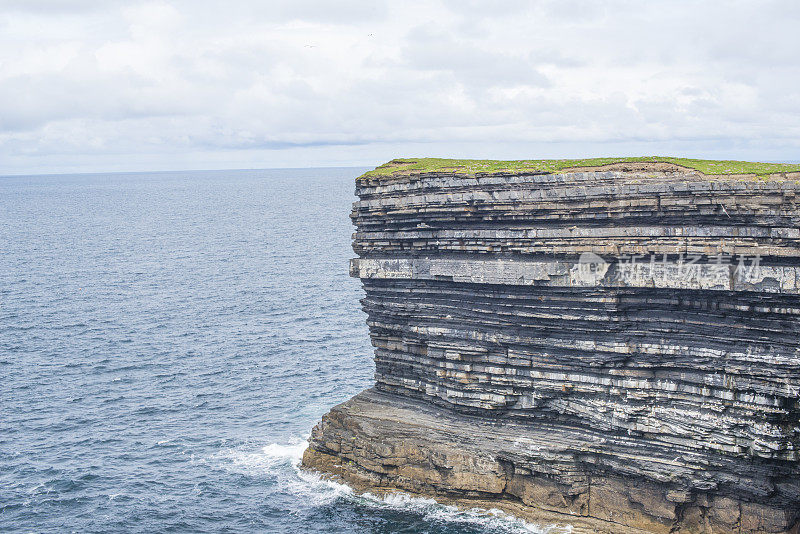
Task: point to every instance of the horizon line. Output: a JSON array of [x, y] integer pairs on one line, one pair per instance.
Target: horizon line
[[92, 173], [174, 171]]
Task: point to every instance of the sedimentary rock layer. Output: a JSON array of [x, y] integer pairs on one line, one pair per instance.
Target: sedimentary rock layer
[[613, 350]]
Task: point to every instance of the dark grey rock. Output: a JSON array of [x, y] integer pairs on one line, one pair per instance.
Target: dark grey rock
[[523, 360]]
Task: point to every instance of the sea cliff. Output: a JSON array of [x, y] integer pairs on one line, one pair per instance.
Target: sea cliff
[[612, 345]]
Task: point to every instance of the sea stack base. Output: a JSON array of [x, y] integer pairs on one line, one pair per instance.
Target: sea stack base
[[381, 442]]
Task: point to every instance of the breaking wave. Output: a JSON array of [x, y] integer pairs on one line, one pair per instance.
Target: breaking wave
[[282, 462]]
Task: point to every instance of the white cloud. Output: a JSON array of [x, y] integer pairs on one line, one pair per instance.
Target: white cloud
[[187, 84]]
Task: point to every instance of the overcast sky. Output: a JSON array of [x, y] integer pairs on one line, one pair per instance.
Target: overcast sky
[[128, 85]]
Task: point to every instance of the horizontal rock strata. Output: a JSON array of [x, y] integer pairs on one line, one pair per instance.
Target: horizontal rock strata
[[619, 351]]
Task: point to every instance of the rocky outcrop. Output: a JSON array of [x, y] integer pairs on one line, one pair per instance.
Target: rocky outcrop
[[616, 350]]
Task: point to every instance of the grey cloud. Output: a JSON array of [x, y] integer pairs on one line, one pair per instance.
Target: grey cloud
[[49, 7], [577, 11], [433, 50], [477, 9], [172, 80], [345, 12]]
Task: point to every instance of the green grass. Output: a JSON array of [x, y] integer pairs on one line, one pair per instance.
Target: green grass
[[410, 166]]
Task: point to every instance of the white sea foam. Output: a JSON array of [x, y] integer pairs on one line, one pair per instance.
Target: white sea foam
[[493, 520], [267, 460], [292, 452], [282, 461]]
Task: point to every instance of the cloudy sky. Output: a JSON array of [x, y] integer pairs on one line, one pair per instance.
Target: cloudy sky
[[172, 84]]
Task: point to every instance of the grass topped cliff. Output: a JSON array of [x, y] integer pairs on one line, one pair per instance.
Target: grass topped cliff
[[410, 166]]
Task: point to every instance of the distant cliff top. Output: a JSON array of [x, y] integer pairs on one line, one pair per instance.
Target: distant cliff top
[[412, 166]]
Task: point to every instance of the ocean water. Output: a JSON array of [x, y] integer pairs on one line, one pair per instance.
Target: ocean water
[[167, 342]]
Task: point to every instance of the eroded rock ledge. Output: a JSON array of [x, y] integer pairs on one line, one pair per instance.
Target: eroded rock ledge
[[525, 360]]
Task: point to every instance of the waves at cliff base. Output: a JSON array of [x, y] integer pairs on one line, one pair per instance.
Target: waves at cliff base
[[281, 462]]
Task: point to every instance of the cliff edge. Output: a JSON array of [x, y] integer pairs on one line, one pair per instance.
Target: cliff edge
[[612, 344]]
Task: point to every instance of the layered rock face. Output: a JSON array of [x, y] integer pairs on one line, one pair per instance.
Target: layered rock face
[[617, 350]]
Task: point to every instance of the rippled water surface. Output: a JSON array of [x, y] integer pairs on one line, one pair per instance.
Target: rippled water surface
[[168, 340]]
